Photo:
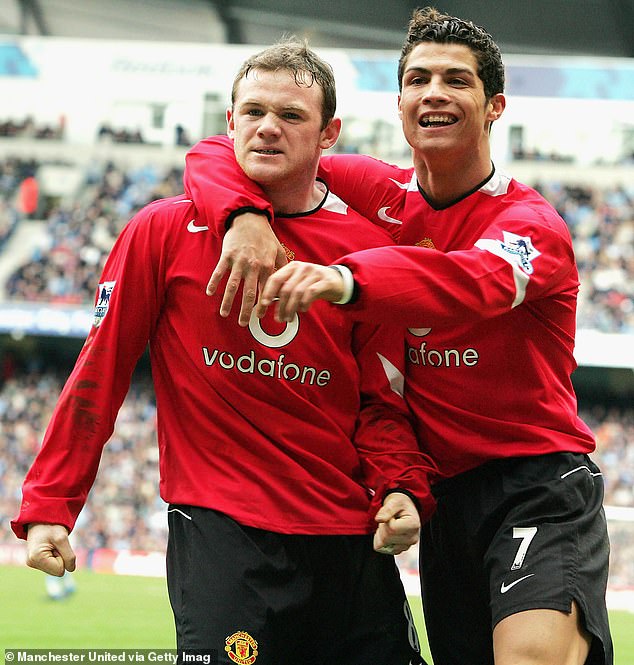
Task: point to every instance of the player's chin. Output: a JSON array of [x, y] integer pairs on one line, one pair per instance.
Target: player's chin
[[265, 173]]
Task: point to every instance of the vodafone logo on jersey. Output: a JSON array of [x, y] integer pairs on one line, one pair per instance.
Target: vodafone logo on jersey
[[271, 334], [427, 356], [274, 341], [280, 368]]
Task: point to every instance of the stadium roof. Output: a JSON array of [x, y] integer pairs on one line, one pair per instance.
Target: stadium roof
[[582, 27]]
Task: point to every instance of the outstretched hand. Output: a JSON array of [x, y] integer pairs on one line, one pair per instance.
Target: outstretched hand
[[399, 524], [49, 549], [296, 286], [251, 253]]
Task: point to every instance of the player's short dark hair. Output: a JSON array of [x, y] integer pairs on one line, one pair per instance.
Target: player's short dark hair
[[305, 65], [430, 25]]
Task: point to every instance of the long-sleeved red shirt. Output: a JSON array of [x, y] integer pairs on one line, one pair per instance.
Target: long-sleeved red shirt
[[290, 428], [487, 287]]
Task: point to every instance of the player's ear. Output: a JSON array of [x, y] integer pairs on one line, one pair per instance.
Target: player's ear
[[330, 134], [400, 111], [230, 125], [496, 105]]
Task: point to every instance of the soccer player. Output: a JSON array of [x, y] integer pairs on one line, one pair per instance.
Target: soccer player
[[514, 562], [281, 447]]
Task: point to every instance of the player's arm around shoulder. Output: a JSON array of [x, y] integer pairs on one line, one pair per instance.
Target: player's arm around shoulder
[[49, 549], [370, 186]]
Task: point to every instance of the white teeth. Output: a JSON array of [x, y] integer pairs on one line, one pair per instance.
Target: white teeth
[[438, 119]]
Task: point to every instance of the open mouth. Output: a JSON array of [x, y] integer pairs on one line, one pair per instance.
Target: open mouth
[[437, 120], [262, 151]]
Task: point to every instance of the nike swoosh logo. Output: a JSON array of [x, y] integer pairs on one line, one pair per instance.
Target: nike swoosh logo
[[382, 213], [192, 228], [505, 587], [402, 185]]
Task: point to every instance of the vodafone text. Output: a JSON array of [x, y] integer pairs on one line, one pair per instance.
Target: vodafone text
[[281, 369], [442, 357]]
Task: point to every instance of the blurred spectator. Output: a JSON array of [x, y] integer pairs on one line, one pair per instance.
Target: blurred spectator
[[14, 172], [80, 235], [27, 128], [119, 134], [181, 136], [28, 196]]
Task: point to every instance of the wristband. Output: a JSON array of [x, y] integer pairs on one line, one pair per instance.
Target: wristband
[[348, 284], [239, 211]]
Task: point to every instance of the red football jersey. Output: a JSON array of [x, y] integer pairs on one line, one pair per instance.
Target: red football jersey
[[486, 285], [291, 428]]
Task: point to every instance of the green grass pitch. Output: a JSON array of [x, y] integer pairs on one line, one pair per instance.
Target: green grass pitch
[[121, 612]]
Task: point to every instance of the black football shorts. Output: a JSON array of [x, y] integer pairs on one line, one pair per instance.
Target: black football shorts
[[514, 534], [249, 596]]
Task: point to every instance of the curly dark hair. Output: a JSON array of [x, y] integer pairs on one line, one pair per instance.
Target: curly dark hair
[[430, 25]]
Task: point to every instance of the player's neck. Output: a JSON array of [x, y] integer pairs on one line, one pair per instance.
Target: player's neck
[[445, 179], [292, 199]]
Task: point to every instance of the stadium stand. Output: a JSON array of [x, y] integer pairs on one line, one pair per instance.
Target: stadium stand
[[28, 128], [81, 232]]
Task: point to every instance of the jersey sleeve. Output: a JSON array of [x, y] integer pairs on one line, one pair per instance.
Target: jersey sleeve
[[218, 186], [391, 457], [517, 259], [221, 190], [127, 304], [366, 184]]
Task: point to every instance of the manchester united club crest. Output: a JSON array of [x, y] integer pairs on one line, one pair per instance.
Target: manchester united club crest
[[241, 648], [290, 254], [428, 243]]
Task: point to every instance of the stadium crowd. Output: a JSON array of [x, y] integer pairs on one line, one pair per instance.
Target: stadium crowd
[[124, 510], [81, 233], [14, 172], [27, 127]]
